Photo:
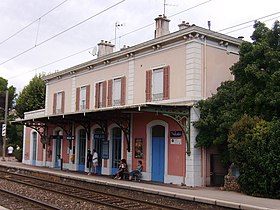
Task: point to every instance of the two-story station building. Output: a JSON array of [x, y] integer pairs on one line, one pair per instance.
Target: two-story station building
[[137, 104]]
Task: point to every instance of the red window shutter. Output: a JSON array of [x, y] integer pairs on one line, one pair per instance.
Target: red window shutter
[[87, 96], [166, 82], [110, 91], [123, 90], [149, 86], [104, 93], [96, 94], [77, 99], [54, 102], [62, 101]]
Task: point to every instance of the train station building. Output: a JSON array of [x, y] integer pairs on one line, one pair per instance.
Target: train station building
[[136, 103]]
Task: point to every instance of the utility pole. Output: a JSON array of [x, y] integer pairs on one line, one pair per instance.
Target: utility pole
[[4, 134]]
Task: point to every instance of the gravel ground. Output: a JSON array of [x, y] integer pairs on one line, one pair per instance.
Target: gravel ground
[[61, 201]]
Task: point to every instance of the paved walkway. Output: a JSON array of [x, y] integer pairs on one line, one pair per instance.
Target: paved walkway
[[201, 194]]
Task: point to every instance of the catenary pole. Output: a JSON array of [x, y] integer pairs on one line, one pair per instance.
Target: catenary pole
[[5, 122]]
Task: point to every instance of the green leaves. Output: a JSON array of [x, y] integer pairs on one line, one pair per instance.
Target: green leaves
[[32, 96], [240, 117]]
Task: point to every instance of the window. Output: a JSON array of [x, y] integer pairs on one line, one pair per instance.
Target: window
[[83, 98], [117, 92], [157, 84], [100, 94], [58, 102]]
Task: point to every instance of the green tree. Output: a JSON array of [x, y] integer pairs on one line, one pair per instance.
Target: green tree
[[11, 133], [32, 96], [255, 91]]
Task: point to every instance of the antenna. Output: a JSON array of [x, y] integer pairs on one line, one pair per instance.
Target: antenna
[[165, 4], [117, 25], [93, 52]]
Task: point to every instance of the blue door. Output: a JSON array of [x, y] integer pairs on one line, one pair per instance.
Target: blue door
[[117, 149], [98, 137], [158, 156], [57, 151], [82, 150], [34, 149]]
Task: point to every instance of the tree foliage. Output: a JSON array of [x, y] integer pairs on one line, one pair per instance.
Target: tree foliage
[[32, 96], [255, 92], [254, 147]]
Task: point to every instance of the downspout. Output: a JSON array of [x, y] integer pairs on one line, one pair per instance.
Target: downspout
[[205, 68]]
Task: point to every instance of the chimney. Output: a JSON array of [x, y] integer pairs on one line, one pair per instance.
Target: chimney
[[104, 48], [183, 25], [162, 26]]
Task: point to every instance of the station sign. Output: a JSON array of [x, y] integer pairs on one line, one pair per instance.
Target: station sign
[[175, 133]]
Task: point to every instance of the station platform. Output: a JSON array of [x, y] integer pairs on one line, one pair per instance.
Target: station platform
[[209, 195]]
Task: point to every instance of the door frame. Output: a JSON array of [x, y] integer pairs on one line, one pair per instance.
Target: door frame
[[149, 148], [109, 161]]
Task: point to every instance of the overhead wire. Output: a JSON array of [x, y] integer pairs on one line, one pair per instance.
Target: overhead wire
[[62, 32], [91, 47], [31, 23], [48, 64]]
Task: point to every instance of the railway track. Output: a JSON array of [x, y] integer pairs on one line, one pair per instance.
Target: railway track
[[114, 201], [9, 199]]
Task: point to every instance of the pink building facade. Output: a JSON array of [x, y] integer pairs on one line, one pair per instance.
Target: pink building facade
[[137, 104]]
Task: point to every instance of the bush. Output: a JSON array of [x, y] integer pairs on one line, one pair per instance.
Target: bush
[[255, 147], [18, 154]]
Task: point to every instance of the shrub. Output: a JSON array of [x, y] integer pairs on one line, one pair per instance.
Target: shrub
[[255, 147]]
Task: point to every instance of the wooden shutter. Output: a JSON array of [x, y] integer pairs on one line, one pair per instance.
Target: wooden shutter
[[87, 96], [54, 102], [104, 93], [123, 90], [149, 86], [62, 101], [77, 99], [110, 91], [166, 73]]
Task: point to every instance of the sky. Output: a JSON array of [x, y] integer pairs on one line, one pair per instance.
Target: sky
[[39, 36]]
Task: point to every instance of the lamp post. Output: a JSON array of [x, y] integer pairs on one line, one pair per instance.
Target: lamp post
[[4, 134]]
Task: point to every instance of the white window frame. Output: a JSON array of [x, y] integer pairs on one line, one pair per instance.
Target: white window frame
[[117, 88], [100, 94], [83, 95], [157, 84], [59, 103]]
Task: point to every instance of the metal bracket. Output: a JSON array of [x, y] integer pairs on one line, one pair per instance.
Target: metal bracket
[[41, 129], [123, 121]]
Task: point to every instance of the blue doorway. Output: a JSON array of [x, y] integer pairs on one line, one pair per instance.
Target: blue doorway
[[57, 148], [82, 150], [34, 147], [98, 137], [116, 149], [158, 155]]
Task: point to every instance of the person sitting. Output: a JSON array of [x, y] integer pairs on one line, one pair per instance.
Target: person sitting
[[137, 171], [122, 169]]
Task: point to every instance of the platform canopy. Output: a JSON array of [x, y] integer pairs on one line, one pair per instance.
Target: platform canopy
[[121, 115]]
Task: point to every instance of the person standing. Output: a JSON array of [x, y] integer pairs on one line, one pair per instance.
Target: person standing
[[10, 152], [89, 162], [94, 161]]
